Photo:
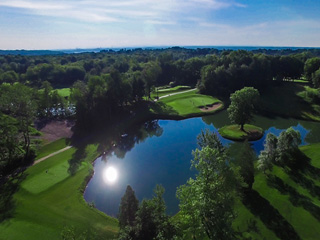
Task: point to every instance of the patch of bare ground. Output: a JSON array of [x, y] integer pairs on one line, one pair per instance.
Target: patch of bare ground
[[55, 129], [211, 107]]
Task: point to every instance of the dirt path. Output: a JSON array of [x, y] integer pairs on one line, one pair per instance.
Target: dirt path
[[51, 154], [171, 94]]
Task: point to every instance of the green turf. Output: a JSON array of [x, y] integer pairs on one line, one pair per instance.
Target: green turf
[[234, 132], [64, 92], [185, 104], [51, 147], [42, 211]]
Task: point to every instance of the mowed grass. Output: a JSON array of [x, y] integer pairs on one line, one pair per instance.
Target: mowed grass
[[166, 91], [52, 147], [283, 205], [188, 103], [234, 132], [64, 92], [50, 199]]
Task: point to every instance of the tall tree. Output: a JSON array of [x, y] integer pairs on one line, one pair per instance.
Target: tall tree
[[242, 106], [128, 208], [206, 202], [268, 156]]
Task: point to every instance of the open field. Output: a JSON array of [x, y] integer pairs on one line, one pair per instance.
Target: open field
[[49, 200]]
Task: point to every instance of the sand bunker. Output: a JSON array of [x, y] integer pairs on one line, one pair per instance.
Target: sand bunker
[[210, 107]]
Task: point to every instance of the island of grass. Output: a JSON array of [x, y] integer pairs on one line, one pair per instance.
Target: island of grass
[[234, 132]]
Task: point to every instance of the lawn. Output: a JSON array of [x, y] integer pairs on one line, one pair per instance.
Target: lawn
[[52, 147], [234, 132], [189, 103], [49, 199], [287, 201], [64, 92]]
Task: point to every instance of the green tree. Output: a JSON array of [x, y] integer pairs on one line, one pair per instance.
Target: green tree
[[128, 208], [242, 106], [45, 99], [150, 74], [10, 145], [288, 142], [209, 139], [206, 202], [151, 221], [310, 66], [316, 78], [267, 157]]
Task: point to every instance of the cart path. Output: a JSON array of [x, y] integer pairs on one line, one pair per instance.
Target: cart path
[[51, 154], [171, 94]]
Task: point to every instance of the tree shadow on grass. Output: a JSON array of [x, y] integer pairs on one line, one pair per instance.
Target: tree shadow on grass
[[297, 199], [77, 158], [301, 168], [7, 190], [270, 216]]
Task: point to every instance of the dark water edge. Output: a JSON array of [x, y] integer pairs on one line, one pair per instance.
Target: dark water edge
[[164, 158]]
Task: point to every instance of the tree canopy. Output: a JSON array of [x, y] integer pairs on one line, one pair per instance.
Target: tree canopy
[[242, 106]]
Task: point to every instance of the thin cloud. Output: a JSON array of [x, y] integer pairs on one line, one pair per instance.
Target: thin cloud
[[164, 11]]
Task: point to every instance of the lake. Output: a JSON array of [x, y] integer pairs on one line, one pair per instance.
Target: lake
[[159, 152]]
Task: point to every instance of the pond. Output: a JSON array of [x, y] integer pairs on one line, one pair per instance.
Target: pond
[[161, 154]]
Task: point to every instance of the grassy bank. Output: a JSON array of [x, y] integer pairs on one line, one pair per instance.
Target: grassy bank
[[233, 132], [49, 199]]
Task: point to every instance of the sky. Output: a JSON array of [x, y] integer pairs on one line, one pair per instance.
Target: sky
[[57, 24]]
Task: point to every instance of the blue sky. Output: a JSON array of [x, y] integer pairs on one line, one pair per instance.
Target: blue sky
[[57, 24]]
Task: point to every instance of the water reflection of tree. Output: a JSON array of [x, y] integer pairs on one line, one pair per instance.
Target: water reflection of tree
[[221, 119], [115, 139], [136, 135]]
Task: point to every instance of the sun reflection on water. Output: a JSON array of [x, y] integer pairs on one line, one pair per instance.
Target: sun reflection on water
[[110, 175]]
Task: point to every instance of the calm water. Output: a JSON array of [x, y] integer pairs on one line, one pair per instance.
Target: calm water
[[163, 157]]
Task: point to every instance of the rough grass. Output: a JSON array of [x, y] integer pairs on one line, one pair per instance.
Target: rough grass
[[48, 202], [234, 132], [52, 147], [186, 104]]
